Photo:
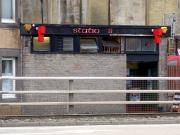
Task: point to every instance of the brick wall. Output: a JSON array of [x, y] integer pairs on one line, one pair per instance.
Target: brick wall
[[74, 65]]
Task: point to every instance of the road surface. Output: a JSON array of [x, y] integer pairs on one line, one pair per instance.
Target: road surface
[[172, 129]]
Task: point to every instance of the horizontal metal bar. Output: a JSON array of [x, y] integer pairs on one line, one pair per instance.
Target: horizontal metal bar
[[87, 91], [133, 35], [90, 78], [88, 103]]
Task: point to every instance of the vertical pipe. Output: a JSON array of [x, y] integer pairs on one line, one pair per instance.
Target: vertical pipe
[[81, 13], [146, 12], [42, 16], [0, 10], [109, 12]]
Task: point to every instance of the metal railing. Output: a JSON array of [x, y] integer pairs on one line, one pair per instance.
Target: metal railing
[[71, 92]]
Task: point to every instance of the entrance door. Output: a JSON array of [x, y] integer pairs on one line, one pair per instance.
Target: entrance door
[[142, 69]]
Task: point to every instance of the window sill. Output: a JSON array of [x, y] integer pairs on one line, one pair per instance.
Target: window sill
[[8, 96], [3, 20], [8, 23]]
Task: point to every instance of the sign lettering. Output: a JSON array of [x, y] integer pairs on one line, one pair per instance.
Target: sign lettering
[[86, 30], [110, 31]]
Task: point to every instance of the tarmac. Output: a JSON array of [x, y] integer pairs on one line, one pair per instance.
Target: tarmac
[[164, 129], [74, 120]]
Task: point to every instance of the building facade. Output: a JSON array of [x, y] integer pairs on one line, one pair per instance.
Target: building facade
[[87, 41], [10, 51]]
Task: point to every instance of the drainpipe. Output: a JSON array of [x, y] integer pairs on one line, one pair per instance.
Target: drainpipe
[[42, 16], [146, 12], [109, 12], [81, 12]]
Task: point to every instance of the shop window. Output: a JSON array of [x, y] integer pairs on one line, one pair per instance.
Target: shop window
[[7, 11], [41, 46], [133, 44], [140, 45], [68, 44], [8, 70], [111, 44], [88, 45], [148, 44]]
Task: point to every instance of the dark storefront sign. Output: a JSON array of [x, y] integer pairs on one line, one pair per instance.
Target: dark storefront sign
[[100, 30], [92, 38]]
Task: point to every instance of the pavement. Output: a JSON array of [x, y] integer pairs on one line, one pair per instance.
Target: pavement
[[172, 129], [89, 120]]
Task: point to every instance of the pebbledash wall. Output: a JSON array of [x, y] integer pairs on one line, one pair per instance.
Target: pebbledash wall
[[73, 65]]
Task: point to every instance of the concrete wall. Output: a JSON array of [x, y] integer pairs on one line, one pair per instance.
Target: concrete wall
[[157, 11], [128, 12], [10, 38], [55, 11], [98, 12], [162, 69], [73, 65], [122, 12], [31, 11]]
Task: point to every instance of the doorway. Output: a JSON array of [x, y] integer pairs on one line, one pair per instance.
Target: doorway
[[142, 69]]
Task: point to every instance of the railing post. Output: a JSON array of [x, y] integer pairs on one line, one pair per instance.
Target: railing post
[[70, 97]]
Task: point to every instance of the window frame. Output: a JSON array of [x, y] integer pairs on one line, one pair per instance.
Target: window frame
[[43, 52], [73, 46], [10, 22], [10, 96], [111, 52], [89, 37], [53, 46], [141, 51]]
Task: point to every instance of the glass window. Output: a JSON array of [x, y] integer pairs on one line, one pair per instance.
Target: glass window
[[68, 44], [133, 44], [41, 46], [148, 44], [8, 11], [7, 67], [88, 45], [140, 44], [111, 44], [8, 70]]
